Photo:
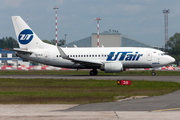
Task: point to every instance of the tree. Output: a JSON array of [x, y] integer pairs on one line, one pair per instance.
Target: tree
[[53, 42], [8, 43], [61, 42], [46, 41], [174, 47]]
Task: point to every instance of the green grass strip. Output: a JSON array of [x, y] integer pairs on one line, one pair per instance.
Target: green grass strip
[[61, 91]]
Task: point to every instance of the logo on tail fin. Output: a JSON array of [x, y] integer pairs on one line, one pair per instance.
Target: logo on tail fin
[[25, 36]]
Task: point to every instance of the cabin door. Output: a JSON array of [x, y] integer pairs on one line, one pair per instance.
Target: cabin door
[[149, 55], [46, 56]]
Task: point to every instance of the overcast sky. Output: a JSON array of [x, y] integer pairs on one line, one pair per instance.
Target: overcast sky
[[139, 19]]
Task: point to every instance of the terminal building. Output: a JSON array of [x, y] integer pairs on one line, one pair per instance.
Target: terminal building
[[9, 58], [109, 39]]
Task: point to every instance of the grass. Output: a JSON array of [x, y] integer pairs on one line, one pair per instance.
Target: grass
[[84, 72], [61, 91]]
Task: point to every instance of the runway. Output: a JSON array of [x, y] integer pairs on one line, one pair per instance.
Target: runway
[[98, 77], [157, 107]]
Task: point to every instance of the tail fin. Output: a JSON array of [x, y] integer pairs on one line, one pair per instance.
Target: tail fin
[[26, 37]]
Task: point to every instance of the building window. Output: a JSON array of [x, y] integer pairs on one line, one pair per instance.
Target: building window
[[14, 55], [4, 55], [25, 60]]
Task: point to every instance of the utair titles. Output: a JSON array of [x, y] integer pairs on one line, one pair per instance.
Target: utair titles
[[124, 56]]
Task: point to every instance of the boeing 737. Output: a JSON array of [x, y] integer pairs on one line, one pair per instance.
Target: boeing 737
[[108, 59]]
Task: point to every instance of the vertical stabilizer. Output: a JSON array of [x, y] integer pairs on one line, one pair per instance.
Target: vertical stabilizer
[[26, 37]]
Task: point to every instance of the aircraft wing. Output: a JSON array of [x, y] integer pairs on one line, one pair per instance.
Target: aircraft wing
[[82, 62], [87, 63], [20, 51]]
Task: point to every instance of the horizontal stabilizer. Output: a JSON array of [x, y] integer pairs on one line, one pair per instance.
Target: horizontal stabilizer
[[21, 51]]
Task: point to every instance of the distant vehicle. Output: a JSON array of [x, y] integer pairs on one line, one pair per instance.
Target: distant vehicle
[[108, 59]]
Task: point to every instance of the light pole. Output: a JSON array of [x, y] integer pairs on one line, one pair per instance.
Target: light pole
[[55, 8], [98, 30]]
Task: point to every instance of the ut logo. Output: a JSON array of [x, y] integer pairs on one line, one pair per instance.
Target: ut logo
[[25, 36], [127, 56]]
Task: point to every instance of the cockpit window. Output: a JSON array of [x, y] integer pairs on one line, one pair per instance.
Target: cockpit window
[[162, 54]]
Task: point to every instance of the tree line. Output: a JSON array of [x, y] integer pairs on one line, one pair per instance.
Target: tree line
[[8, 42], [53, 42], [173, 45]]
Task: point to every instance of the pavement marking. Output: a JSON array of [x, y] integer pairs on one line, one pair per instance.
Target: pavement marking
[[166, 110]]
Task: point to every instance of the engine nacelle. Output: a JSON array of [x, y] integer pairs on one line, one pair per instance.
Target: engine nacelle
[[113, 67]]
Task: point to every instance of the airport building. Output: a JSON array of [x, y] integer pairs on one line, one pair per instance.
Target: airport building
[[9, 58], [109, 39]]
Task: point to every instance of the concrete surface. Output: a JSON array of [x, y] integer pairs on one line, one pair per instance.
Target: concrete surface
[[51, 112]]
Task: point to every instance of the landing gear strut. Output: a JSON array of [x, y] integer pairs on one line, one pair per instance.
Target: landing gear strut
[[93, 72], [153, 73]]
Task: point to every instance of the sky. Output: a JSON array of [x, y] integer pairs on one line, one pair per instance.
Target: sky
[[139, 19]]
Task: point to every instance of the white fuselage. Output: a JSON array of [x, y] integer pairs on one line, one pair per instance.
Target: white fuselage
[[128, 56]]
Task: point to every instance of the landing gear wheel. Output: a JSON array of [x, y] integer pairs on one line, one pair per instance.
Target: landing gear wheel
[[153, 73], [93, 72]]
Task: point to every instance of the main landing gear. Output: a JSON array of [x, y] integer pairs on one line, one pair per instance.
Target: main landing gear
[[153, 72], [93, 72]]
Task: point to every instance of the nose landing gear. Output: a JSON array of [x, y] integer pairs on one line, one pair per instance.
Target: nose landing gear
[[153, 72]]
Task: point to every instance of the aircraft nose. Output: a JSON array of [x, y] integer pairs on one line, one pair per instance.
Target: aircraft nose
[[171, 59]]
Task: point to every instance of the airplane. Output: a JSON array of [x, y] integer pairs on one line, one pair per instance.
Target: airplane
[[108, 59]]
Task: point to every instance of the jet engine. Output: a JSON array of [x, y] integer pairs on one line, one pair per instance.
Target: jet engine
[[112, 67]]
